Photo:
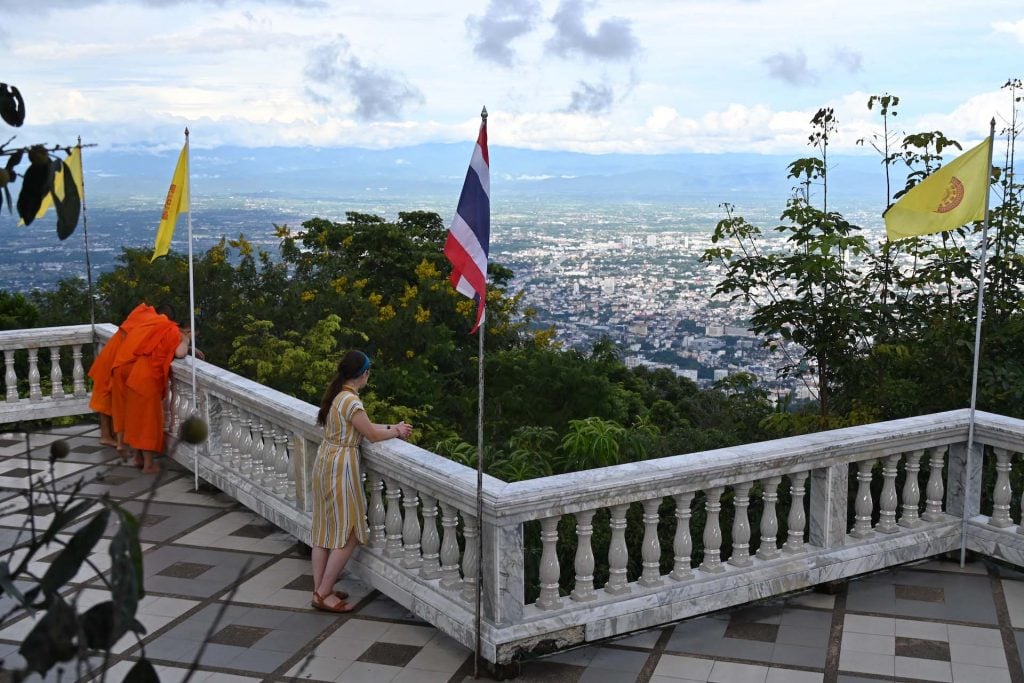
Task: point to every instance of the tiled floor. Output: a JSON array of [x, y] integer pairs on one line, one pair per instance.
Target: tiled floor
[[227, 588]]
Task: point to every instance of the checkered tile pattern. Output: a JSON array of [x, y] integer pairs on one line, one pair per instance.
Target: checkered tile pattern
[[224, 586]]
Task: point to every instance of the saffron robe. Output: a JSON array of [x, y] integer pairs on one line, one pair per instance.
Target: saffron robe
[[102, 367]]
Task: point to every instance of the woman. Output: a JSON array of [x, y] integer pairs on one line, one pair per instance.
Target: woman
[[339, 503]]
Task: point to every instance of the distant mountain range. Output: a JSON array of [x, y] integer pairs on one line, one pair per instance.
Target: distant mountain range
[[438, 170]]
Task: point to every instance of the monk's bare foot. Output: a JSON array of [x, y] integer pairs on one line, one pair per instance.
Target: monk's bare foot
[[154, 469], [108, 442], [138, 461]]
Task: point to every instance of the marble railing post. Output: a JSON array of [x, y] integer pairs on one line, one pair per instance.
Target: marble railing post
[[650, 549], [864, 505], [583, 590], [411, 528], [910, 517], [682, 544], [769, 548], [549, 568], [301, 456], [35, 391], [375, 511], [713, 532], [78, 372], [285, 484], [10, 378], [963, 487], [503, 572], [935, 489], [887, 501], [741, 526], [1001, 493], [797, 520], [393, 519], [618, 554], [430, 565], [471, 557], [56, 376], [450, 579]]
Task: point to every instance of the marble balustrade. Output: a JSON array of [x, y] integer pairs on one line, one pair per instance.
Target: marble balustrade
[[611, 550], [44, 373]]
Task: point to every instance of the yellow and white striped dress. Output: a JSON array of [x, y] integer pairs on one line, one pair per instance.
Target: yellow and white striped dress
[[339, 502]]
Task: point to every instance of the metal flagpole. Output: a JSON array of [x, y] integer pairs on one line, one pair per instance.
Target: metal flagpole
[[977, 348], [85, 236], [192, 304], [480, 461], [479, 493]]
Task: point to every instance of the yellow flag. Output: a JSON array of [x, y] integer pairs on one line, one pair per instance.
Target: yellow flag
[[950, 197], [177, 202], [74, 162]]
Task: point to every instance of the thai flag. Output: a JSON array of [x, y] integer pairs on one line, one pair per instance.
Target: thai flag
[[470, 232]]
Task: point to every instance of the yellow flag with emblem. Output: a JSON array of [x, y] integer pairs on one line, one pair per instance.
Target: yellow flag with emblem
[[950, 197], [177, 202]]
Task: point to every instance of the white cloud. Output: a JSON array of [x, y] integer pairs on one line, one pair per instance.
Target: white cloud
[[1014, 28]]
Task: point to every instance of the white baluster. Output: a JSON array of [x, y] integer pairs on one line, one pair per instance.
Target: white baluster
[[549, 568], [259, 450], [797, 520], [769, 548], [935, 489], [223, 453], [375, 513], [470, 557], [10, 378], [741, 526], [246, 444], [450, 579], [887, 501], [78, 371], [431, 565], [863, 505], [411, 528], [583, 591], [393, 519], [713, 532], [650, 549], [1002, 493], [284, 484], [35, 391], [682, 545], [56, 375], [910, 514], [618, 554], [236, 439]]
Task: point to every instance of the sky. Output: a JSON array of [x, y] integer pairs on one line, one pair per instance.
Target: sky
[[595, 76]]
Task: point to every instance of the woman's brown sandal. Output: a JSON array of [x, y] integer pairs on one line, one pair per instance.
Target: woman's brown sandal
[[319, 604]]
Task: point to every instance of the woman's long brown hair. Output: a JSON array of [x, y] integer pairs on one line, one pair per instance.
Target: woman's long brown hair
[[348, 368]]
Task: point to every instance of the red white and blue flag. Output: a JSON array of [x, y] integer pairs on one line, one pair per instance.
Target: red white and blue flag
[[470, 232]]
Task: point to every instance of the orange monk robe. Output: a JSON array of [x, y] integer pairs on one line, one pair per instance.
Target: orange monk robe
[[146, 385], [103, 366], [141, 329]]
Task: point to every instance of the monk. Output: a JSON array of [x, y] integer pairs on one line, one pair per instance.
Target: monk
[[102, 367], [141, 368]]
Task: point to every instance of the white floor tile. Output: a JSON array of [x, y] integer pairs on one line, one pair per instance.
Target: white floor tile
[[729, 672], [685, 668], [879, 626], [924, 669]]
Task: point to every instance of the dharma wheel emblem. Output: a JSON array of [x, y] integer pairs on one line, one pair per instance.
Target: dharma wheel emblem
[[954, 195]]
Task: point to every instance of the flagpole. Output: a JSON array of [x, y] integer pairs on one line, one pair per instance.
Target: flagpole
[[977, 348], [480, 462], [85, 236], [191, 305]]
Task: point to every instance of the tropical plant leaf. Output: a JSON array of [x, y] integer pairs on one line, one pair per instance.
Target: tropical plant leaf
[[142, 672], [35, 183], [51, 640], [126, 582], [103, 627], [78, 549], [7, 586], [69, 207]]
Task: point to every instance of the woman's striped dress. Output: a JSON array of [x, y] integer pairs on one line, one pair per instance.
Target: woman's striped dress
[[339, 502]]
